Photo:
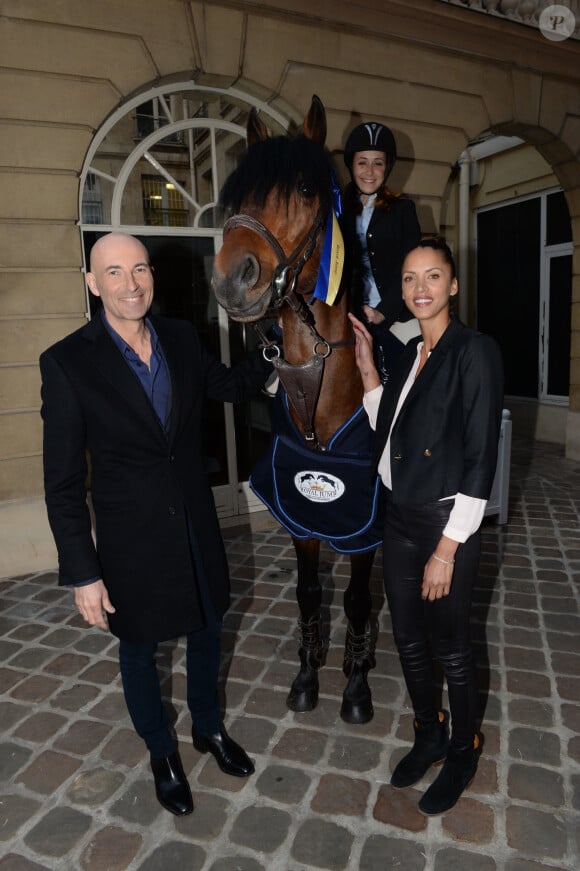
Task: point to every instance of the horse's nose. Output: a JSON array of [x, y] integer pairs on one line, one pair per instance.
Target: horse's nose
[[235, 282], [246, 273]]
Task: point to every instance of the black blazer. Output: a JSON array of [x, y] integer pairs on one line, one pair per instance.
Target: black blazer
[[145, 485], [391, 234], [445, 437]]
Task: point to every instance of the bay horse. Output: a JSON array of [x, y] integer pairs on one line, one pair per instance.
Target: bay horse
[[281, 196]]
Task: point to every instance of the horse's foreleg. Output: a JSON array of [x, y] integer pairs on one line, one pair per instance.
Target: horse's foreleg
[[308, 588], [359, 658], [303, 695], [357, 596]]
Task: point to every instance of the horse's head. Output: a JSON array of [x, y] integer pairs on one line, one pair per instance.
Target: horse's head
[[280, 196]]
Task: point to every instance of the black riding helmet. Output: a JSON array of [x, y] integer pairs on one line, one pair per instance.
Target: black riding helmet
[[371, 136]]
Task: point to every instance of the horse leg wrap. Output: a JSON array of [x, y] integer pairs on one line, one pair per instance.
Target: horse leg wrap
[[359, 658], [303, 695]]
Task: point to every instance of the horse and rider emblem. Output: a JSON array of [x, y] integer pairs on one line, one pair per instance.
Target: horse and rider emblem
[[319, 486]]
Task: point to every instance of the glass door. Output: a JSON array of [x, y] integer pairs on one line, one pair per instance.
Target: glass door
[[524, 292]]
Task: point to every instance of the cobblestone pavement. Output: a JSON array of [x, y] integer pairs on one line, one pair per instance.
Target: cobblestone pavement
[[76, 791]]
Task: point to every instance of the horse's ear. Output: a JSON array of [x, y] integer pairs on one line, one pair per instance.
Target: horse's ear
[[314, 126], [257, 130]]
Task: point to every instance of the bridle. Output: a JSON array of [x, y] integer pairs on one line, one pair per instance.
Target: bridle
[[302, 381], [288, 267]]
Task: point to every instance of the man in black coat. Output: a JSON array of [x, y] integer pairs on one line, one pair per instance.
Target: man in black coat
[[127, 390]]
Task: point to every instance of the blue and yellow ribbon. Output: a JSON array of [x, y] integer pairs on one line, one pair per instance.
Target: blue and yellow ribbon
[[331, 262], [332, 259]]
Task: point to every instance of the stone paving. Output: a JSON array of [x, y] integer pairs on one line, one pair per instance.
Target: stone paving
[[76, 791]]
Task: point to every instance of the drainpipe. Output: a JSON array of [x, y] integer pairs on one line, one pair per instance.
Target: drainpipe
[[463, 234], [467, 163]]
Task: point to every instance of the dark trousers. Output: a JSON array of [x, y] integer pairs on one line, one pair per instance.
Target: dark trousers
[[141, 680], [423, 630]]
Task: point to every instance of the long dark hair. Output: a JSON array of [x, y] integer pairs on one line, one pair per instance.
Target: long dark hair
[[351, 201]]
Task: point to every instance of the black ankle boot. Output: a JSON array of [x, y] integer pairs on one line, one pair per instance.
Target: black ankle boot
[[457, 773], [303, 695], [359, 658], [430, 748]]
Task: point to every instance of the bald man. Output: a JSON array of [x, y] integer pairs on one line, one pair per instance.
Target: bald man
[[127, 391]]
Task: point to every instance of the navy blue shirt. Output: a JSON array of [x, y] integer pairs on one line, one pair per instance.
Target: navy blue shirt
[[154, 379]]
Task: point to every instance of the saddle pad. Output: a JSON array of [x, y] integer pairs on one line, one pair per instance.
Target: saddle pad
[[321, 495], [329, 494]]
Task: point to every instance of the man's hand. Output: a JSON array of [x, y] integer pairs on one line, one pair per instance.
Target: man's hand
[[93, 602]]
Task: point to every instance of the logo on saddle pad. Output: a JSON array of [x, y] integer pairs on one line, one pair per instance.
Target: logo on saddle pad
[[318, 486]]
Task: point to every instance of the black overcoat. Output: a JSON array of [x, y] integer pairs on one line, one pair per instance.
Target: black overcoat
[[146, 486]]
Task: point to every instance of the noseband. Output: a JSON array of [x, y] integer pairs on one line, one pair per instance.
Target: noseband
[[288, 268]]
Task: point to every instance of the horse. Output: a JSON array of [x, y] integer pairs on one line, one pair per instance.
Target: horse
[[280, 199]]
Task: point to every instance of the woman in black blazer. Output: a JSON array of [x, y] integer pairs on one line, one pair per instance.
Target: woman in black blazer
[[437, 426], [379, 228]]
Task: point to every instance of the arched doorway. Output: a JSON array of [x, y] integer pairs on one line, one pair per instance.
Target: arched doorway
[[155, 169]]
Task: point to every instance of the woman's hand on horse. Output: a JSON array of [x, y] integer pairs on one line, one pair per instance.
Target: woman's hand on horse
[[364, 355]]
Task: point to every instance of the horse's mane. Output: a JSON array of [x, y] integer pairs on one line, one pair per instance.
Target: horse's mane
[[278, 163]]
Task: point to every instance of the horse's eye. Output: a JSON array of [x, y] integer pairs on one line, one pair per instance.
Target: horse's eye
[[306, 188]]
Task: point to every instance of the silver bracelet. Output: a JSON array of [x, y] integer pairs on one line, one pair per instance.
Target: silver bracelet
[[446, 562]]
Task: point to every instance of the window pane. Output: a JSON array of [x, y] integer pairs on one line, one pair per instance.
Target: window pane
[[508, 289], [559, 228]]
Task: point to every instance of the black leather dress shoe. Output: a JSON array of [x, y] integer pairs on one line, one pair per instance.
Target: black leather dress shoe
[[229, 756], [171, 786]]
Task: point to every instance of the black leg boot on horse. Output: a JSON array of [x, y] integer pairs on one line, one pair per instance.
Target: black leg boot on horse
[[303, 695], [359, 650]]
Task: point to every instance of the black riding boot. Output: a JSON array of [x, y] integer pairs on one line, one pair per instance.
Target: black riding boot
[[359, 658], [430, 748], [303, 695]]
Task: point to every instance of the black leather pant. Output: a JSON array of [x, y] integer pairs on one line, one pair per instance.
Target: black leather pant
[[440, 629]]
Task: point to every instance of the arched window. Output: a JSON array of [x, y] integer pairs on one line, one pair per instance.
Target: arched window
[[162, 157]]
